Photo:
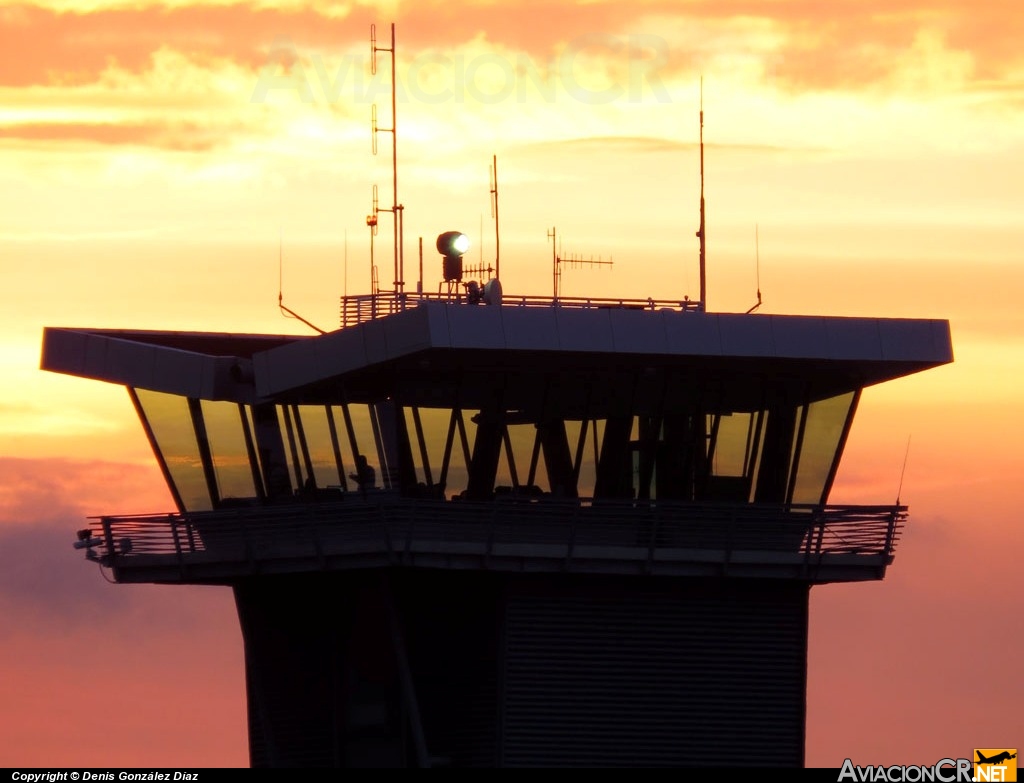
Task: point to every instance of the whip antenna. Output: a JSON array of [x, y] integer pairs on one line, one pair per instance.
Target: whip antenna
[[757, 265], [906, 456]]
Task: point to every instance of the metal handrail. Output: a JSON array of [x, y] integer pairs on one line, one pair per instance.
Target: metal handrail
[[399, 527], [359, 308]]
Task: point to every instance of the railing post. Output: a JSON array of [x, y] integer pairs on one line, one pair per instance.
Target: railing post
[[189, 531], [177, 545], [814, 539], [108, 539], [820, 532], [890, 532]]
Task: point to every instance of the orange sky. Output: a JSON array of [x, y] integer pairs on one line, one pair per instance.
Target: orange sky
[[153, 153]]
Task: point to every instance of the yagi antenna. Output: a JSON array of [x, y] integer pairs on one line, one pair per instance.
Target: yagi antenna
[[757, 263], [557, 260], [280, 288]]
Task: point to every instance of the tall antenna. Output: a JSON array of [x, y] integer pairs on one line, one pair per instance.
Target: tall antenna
[[494, 214], [396, 208], [700, 232], [553, 236]]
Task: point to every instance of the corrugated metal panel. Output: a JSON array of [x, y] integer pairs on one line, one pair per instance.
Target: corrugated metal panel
[[698, 674]]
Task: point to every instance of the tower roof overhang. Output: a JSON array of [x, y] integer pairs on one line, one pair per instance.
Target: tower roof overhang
[[438, 344]]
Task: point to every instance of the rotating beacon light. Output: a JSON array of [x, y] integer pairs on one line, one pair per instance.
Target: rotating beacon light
[[452, 245]]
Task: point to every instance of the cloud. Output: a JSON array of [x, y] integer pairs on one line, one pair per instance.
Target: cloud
[[589, 146], [796, 45], [41, 46], [183, 137], [198, 77], [40, 492], [46, 586], [92, 670]]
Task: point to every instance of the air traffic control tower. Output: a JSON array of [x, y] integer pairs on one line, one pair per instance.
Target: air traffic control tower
[[534, 532]]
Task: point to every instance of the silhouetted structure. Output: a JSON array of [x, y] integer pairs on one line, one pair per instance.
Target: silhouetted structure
[[593, 540]]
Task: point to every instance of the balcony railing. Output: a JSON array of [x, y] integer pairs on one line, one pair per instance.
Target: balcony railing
[[358, 308], [833, 543]]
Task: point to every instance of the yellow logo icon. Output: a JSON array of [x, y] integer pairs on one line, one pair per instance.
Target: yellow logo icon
[[995, 764]]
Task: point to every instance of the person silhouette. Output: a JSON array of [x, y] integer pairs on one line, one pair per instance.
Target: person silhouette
[[365, 475]]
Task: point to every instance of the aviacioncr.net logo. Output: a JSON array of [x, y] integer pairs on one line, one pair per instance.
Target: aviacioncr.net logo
[[995, 764]]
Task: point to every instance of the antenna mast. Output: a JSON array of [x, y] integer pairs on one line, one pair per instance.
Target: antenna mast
[[396, 209], [371, 222], [700, 232], [494, 214], [553, 236]]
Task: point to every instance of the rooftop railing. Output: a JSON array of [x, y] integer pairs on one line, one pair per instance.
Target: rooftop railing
[[581, 535], [358, 308]]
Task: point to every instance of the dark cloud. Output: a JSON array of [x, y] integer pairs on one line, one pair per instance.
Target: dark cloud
[[49, 589], [46, 586]]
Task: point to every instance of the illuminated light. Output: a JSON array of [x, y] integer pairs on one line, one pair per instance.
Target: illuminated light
[[452, 243]]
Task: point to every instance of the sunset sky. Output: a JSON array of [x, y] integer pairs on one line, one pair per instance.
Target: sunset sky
[[155, 155]]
